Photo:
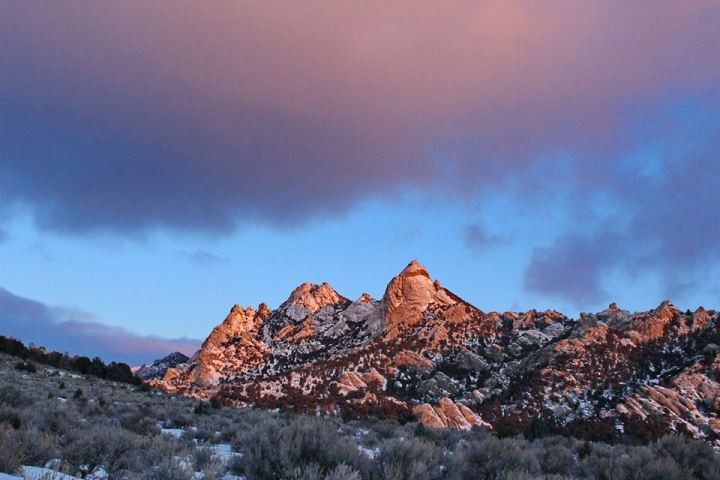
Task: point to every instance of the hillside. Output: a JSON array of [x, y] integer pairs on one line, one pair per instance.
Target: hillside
[[56, 424]]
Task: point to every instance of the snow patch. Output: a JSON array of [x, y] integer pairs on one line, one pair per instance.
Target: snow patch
[[174, 432], [39, 473]]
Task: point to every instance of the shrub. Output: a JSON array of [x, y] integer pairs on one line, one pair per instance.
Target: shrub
[[26, 366], [203, 459], [14, 397], [24, 447], [236, 466], [12, 452], [409, 459], [556, 458], [201, 409], [168, 470], [101, 446], [10, 416], [273, 451], [158, 447], [490, 457], [310, 471], [445, 437], [15, 422], [343, 472], [642, 464], [694, 456], [54, 421], [215, 403], [204, 431], [137, 422], [178, 420]]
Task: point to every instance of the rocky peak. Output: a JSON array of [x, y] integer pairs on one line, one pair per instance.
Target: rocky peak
[[408, 295], [239, 321], [700, 318], [364, 298], [614, 316], [242, 324], [415, 268], [653, 324], [312, 297], [666, 310], [263, 310]]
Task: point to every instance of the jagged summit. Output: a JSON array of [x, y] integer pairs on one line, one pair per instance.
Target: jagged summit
[[422, 351], [414, 268], [408, 295], [313, 297], [364, 298]]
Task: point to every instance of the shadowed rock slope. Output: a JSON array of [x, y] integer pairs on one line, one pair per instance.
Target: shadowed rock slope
[[422, 352]]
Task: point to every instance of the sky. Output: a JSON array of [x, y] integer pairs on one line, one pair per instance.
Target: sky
[[161, 161]]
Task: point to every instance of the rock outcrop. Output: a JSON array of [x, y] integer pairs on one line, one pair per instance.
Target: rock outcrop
[[408, 296], [448, 414], [689, 403], [159, 368], [232, 346], [423, 351]]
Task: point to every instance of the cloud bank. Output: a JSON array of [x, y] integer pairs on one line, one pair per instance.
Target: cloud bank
[[76, 333], [671, 226], [133, 116]]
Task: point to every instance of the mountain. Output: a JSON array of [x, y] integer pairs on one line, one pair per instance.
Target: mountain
[[423, 352], [159, 368]]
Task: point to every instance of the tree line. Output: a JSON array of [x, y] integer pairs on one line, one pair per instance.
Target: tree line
[[114, 371]]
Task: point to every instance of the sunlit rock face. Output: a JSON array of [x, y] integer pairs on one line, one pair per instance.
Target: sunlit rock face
[[447, 414], [421, 352], [408, 297], [232, 347]]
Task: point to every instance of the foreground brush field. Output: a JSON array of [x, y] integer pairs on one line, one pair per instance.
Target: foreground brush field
[[56, 424]]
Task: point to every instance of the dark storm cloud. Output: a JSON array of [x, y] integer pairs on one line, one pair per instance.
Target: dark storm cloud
[[139, 115], [78, 334]]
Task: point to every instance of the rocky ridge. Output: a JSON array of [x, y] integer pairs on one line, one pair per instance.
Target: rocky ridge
[[159, 368], [421, 352]]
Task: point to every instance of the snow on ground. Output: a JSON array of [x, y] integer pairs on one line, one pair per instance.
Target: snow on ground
[[39, 473], [175, 432], [223, 451], [5, 476], [370, 452], [98, 474]]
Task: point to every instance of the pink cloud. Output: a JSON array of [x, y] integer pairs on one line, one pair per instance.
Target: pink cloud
[[168, 113]]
